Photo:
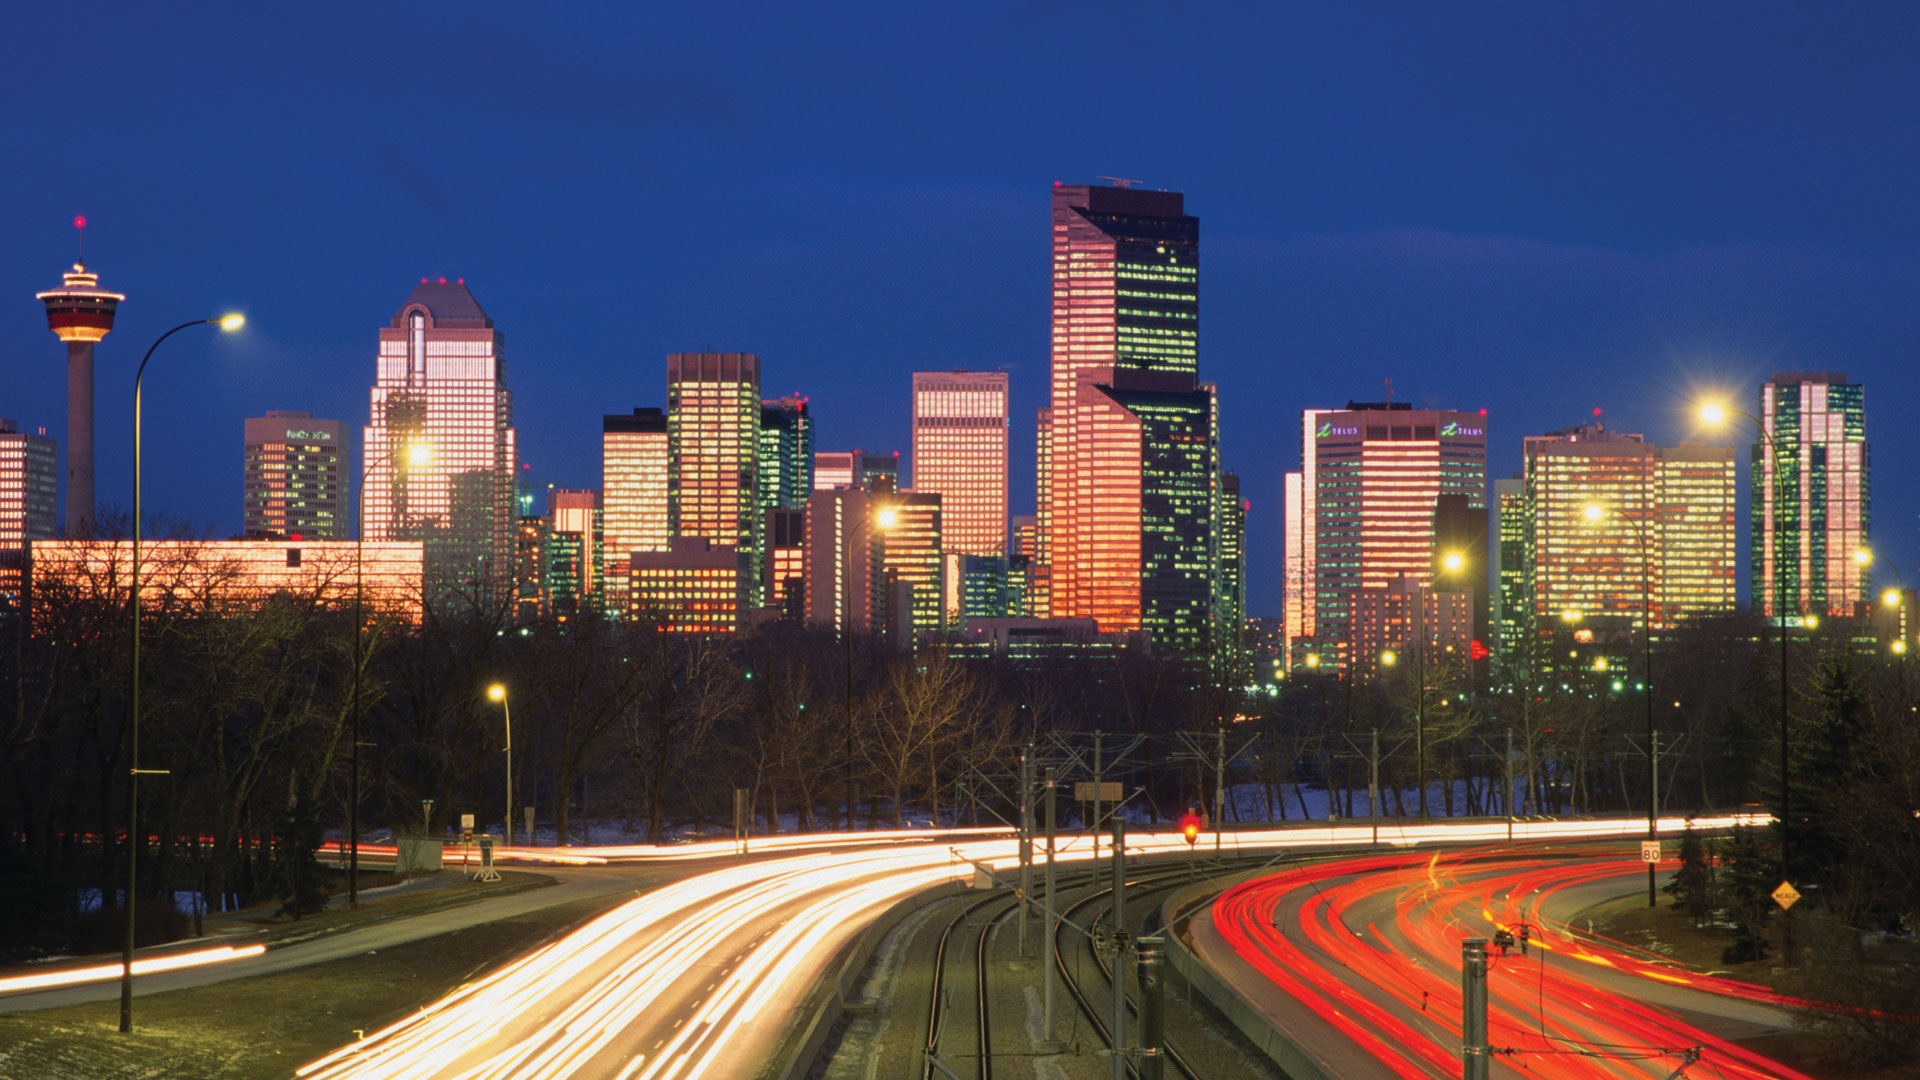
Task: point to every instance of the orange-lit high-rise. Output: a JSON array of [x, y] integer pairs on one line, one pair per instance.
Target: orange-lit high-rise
[[634, 464], [960, 453]]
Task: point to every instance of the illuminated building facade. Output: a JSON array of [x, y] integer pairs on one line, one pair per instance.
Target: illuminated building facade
[[960, 452], [291, 480], [786, 453], [441, 381], [29, 492], [836, 470], [1129, 464], [977, 587], [910, 590], [840, 559], [694, 587], [785, 584], [80, 313], [532, 590], [1020, 584], [713, 448], [1372, 476], [1616, 527], [576, 561], [230, 575], [1039, 577], [1818, 421], [1399, 615], [634, 464], [1230, 590], [1512, 611]]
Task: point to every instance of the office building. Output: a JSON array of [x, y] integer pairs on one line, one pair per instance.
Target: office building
[[785, 582], [80, 313], [441, 384], [879, 471], [910, 590], [29, 492], [1130, 452], [576, 561], [634, 464], [960, 452], [1803, 539], [840, 560], [786, 453], [212, 576], [713, 436], [532, 584], [1230, 592], [1406, 615], [694, 587], [836, 470], [291, 485], [1512, 608], [1617, 528], [1371, 477]]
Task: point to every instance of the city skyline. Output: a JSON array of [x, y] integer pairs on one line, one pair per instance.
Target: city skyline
[[1590, 251]]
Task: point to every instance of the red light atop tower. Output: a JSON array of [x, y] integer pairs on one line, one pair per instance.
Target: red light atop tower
[[79, 221], [1598, 411], [443, 281]]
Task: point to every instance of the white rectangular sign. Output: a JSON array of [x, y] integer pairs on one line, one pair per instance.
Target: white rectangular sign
[[1085, 791], [1649, 851]]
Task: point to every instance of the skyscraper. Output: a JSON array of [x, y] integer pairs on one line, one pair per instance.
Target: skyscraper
[[441, 383], [28, 502], [1372, 475], [960, 452], [291, 477], [634, 463], [1130, 464], [786, 453], [909, 568], [839, 559], [1817, 419], [576, 564], [1512, 614], [713, 440], [1617, 528], [80, 313], [836, 470]]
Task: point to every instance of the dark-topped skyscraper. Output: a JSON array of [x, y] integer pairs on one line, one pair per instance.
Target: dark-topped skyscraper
[[1129, 476], [80, 313], [439, 449]]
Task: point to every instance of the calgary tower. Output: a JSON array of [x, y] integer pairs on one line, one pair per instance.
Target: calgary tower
[[80, 313]]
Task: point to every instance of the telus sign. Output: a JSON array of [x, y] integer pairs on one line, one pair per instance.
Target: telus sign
[[1452, 431], [1327, 429]]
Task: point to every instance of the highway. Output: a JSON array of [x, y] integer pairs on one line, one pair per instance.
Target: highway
[[1359, 960]]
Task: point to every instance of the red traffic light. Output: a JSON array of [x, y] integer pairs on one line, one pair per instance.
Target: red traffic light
[[1478, 651], [1190, 826]]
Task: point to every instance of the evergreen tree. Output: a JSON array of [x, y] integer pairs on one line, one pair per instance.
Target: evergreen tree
[[1751, 870], [1692, 885]]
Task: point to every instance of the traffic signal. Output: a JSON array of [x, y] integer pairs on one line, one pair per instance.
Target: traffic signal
[[1190, 828]]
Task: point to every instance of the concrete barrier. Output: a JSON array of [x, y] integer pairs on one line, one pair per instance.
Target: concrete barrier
[[827, 1001], [1289, 1057]]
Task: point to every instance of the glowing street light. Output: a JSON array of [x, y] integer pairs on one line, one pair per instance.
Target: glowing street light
[[498, 692]]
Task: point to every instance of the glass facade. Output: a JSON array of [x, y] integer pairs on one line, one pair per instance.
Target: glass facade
[[694, 587], [441, 384], [786, 453], [960, 452], [908, 570], [1513, 617], [291, 482], [1802, 547], [1129, 477], [713, 450], [633, 478]]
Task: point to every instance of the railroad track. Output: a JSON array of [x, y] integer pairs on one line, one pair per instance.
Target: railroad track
[[1079, 993]]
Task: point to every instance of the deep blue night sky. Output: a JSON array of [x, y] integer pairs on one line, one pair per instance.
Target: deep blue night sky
[[1537, 210]]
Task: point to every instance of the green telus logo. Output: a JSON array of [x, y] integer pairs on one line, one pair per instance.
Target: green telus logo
[[1449, 430], [1325, 430]]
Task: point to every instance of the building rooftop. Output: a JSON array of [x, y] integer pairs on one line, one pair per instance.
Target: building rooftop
[[450, 303]]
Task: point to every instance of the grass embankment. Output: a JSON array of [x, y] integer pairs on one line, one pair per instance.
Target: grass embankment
[[263, 1028], [1828, 1054]]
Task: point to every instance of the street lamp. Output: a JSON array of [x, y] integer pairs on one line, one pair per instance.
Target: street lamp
[[498, 692], [1715, 414], [134, 772], [418, 454], [885, 518]]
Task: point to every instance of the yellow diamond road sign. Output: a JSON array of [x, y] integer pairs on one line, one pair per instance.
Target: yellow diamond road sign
[[1785, 895]]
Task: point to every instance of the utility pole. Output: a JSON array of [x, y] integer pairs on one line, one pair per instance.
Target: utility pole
[[1026, 843], [1053, 917], [1373, 786], [1097, 747], [1474, 1052], [1119, 1028], [1153, 1011], [1507, 799], [1653, 795], [1219, 787]]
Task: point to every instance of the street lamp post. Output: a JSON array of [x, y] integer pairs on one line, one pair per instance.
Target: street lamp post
[[224, 322], [1714, 415], [498, 692], [417, 454]]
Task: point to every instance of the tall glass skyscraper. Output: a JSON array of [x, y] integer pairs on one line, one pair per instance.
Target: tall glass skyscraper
[[1802, 547], [633, 484], [960, 452], [1129, 476], [713, 449], [441, 382]]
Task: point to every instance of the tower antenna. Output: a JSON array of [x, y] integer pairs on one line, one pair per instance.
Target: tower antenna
[[1389, 390], [80, 228]]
